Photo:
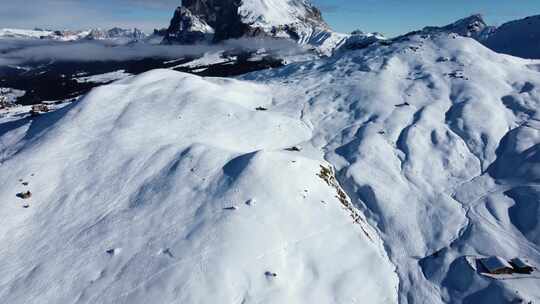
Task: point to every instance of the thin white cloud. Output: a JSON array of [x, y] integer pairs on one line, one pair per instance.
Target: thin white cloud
[[19, 52]]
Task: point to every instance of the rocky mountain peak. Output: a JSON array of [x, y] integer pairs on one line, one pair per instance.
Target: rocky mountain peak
[[187, 28], [470, 26], [200, 20], [116, 33], [473, 26]]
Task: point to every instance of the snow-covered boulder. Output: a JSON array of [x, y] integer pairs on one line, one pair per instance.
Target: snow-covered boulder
[[441, 155]]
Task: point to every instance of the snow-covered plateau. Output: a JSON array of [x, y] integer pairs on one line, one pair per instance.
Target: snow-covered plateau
[[104, 78], [378, 175]]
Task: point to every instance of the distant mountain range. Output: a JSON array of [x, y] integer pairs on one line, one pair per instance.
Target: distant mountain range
[[115, 34]]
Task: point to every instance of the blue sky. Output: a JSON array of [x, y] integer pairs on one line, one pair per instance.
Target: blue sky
[[394, 17], [391, 17]]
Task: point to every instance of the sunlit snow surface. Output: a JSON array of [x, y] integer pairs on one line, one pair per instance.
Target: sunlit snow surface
[[169, 187], [104, 78], [140, 192], [437, 140], [268, 13], [298, 14]]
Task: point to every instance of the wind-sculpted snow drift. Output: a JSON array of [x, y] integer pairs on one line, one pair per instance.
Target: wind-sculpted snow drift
[[174, 188]]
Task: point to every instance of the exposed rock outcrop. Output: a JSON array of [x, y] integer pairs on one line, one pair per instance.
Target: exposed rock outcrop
[[473, 26], [187, 28], [215, 21], [116, 33]]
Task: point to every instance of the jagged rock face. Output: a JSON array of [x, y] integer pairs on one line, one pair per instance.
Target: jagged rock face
[[196, 20], [187, 28], [359, 40], [116, 33], [221, 15]]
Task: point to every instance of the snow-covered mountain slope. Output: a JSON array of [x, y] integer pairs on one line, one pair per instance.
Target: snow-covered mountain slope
[[518, 38], [204, 21], [437, 140], [169, 187], [178, 191], [359, 40], [274, 13]]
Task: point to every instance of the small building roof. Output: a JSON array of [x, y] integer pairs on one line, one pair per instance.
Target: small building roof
[[495, 263], [519, 263]]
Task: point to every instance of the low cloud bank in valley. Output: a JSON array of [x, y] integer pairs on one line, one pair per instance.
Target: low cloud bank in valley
[[14, 52]]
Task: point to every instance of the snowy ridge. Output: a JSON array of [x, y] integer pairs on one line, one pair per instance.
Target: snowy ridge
[[473, 26], [517, 38], [275, 13], [125, 35], [419, 130], [281, 17]]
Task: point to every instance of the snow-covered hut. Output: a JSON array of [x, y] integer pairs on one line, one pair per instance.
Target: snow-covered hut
[[497, 265], [521, 266]]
